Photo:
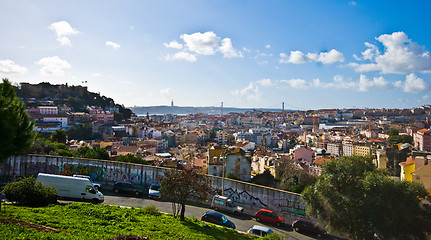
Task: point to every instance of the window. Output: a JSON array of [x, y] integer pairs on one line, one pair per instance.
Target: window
[[90, 189]]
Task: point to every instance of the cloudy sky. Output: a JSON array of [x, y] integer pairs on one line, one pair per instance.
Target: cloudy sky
[[307, 54]]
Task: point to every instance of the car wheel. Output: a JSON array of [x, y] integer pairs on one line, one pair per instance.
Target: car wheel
[[258, 219], [94, 201], [136, 193], [278, 224], [116, 190], [319, 235], [296, 229], [216, 208]]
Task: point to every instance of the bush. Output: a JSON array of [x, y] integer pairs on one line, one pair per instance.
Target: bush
[[28, 192], [151, 210]]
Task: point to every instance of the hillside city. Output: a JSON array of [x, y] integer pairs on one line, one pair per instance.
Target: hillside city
[[284, 150]]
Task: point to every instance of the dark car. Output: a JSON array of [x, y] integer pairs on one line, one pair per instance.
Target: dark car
[[268, 216], [307, 226], [217, 218], [124, 187]]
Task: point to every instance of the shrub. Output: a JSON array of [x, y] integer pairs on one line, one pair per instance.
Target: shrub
[[28, 192], [151, 210]]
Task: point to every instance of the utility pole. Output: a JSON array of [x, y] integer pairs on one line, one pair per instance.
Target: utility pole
[[282, 106], [221, 108]]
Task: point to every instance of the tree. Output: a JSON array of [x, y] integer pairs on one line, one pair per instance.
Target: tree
[[81, 132], [179, 186], [355, 198], [59, 136], [131, 159], [92, 153], [16, 129]]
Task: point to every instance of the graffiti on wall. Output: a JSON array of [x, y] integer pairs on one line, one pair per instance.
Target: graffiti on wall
[[32, 169], [243, 195], [95, 173], [289, 206]]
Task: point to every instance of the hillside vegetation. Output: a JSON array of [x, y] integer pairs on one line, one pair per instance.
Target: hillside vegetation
[[88, 221]]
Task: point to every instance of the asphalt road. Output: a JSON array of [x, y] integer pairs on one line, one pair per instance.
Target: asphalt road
[[242, 222]]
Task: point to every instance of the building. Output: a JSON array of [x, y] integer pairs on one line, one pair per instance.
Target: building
[[335, 149], [233, 160], [50, 110], [348, 149], [422, 140], [362, 150]]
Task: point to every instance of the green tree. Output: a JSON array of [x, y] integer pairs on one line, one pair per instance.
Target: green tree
[[81, 132], [130, 158], [92, 153], [355, 198], [179, 186], [59, 136], [16, 129]]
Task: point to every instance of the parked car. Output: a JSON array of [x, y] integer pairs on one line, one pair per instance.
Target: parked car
[[268, 216], [226, 204], [125, 187], [97, 185], [259, 231], [153, 191], [307, 226], [217, 218]]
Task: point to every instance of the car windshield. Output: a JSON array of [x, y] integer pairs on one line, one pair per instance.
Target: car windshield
[[155, 187], [223, 219]]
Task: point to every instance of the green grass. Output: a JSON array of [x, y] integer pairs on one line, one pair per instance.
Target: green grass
[[89, 221]]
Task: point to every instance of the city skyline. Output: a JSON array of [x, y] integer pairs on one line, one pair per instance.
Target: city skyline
[[253, 54]]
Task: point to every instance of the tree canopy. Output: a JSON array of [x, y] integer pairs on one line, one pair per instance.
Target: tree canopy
[[178, 186], [16, 129], [355, 198]]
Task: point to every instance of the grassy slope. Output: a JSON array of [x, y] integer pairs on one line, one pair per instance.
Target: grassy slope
[[88, 221]]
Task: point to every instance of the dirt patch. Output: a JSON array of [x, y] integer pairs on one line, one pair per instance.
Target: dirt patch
[[35, 226], [128, 237]]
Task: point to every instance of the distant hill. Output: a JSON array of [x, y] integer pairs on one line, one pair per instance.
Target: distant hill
[[162, 110]]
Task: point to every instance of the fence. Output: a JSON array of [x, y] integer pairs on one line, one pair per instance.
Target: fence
[[251, 196]]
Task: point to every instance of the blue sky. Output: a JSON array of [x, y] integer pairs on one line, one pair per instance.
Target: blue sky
[[307, 54]]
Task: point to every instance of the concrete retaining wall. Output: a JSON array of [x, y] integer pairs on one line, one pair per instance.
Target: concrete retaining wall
[[251, 196]]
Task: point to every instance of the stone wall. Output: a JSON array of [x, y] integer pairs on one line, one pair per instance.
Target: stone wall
[[252, 197]]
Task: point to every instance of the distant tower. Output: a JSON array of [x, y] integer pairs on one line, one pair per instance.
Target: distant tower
[[172, 103], [282, 108], [221, 108]]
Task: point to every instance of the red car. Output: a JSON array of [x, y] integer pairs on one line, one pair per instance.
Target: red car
[[268, 216], [307, 226]]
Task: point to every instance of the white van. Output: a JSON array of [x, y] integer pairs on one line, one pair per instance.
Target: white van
[[226, 204], [73, 188]]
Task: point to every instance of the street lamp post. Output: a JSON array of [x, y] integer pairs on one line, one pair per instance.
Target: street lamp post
[[222, 179]]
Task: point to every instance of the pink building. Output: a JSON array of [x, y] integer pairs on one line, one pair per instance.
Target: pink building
[[422, 140], [303, 154]]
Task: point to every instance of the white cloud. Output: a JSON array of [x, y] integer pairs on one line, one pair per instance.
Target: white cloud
[[352, 3], [53, 66], [413, 84], [8, 66], [63, 30], [251, 93], [297, 57], [268, 46], [167, 92], [266, 82], [378, 83], [173, 44], [112, 44], [401, 55], [246, 49], [96, 75], [297, 83], [182, 56], [228, 50], [201, 43], [425, 97]]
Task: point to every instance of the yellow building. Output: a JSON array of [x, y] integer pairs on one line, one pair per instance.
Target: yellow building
[[407, 168], [362, 150]]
